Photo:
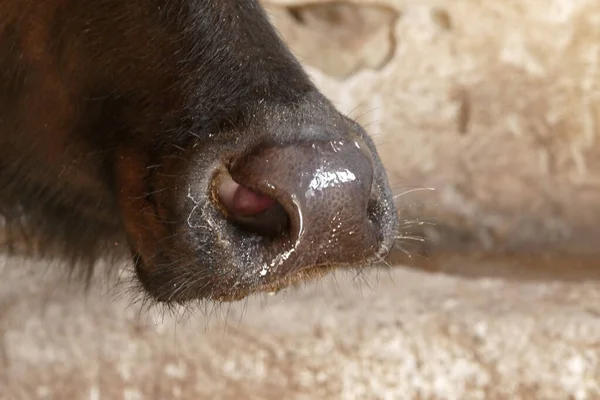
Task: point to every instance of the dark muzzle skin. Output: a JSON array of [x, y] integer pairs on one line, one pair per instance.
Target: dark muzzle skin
[[187, 131]]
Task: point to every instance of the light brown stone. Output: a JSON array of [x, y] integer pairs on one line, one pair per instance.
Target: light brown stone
[[396, 334]]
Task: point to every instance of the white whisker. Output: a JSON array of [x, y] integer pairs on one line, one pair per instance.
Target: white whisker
[[414, 190]]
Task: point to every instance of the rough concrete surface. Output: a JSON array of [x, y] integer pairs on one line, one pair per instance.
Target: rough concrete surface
[[387, 334]]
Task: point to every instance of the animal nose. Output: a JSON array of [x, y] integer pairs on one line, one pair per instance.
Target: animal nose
[[309, 202]]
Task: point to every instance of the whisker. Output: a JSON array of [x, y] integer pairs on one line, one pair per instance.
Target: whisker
[[410, 237], [406, 253], [358, 117], [383, 260], [414, 190]]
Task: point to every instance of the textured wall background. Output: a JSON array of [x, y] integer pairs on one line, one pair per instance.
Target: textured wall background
[[496, 105]]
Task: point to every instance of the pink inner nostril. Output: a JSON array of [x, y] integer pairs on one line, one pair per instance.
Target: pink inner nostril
[[242, 201]]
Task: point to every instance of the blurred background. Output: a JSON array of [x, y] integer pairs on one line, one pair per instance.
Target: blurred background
[[487, 116]]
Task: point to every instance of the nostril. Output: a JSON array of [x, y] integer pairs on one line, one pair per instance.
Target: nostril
[[372, 209], [375, 212], [242, 201], [250, 210]]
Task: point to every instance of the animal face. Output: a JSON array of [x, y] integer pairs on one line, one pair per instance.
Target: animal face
[[186, 130]]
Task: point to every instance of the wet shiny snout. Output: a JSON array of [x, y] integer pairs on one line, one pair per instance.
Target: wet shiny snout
[[310, 203]]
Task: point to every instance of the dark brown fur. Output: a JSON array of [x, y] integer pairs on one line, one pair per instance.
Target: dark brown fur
[[113, 112]]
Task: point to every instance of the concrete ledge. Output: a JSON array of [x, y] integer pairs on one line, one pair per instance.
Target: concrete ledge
[[397, 334]]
